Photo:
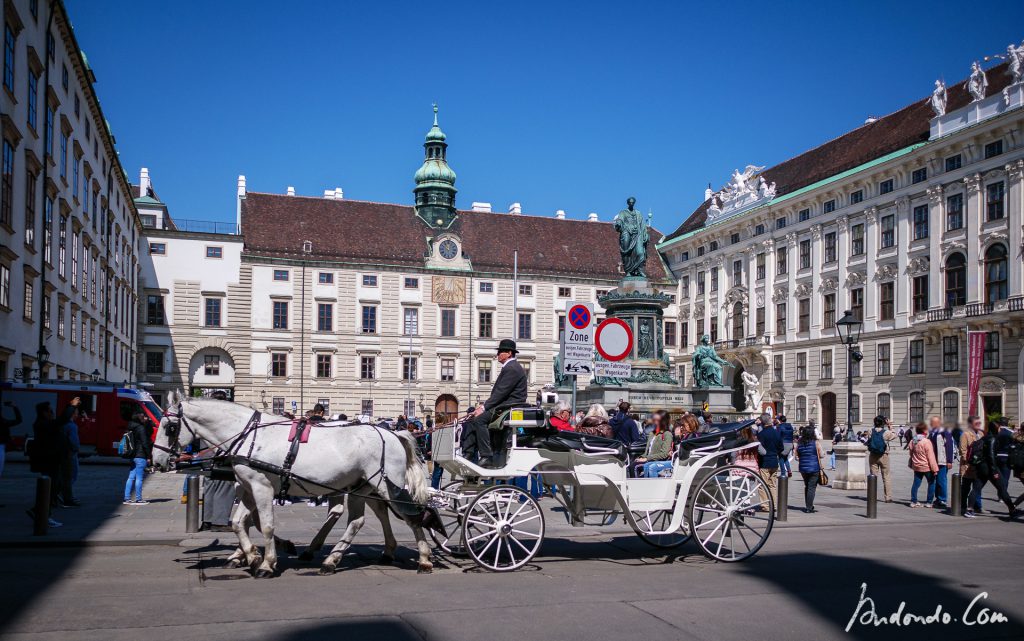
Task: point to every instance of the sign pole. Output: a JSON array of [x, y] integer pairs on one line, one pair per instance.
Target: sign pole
[[573, 415]]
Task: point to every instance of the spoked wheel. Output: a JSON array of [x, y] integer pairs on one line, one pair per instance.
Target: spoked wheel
[[452, 521], [658, 521], [503, 528], [731, 514]]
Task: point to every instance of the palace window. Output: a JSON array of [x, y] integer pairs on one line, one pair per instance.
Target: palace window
[[805, 214], [483, 371], [829, 206], [915, 410], [714, 329], [323, 365], [919, 175], [801, 409], [759, 320], [366, 407], [486, 325], [990, 356], [953, 163], [684, 286], [155, 310], [955, 212], [278, 364], [884, 359], [920, 222], [916, 356], [325, 317], [525, 326], [828, 317], [778, 368], [526, 290], [211, 365], [212, 312], [670, 334], [369, 280], [855, 408], [5, 286], [887, 301], [565, 292], [826, 364], [154, 362], [780, 223], [281, 274], [857, 239], [409, 367], [277, 405], [369, 320], [995, 273], [920, 296], [447, 322], [714, 280], [411, 283], [830, 247], [325, 278], [994, 196], [447, 369], [801, 366], [805, 315], [734, 238], [857, 303], [410, 321], [713, 246], [857, 197], [158, 249], [486, 287], [367, 368], [956, 280], [888, 231], [780, 261], [780, 319], [737, 272], [886, 186], [884, 404], [760, 266], [950, 353], [7, 183], [993, 149], [950, 406], [280, 314], [700, 283], [805, 254]]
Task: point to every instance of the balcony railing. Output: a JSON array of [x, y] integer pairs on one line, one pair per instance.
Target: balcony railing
[[735, 343], [206, 226], [1014, 304]]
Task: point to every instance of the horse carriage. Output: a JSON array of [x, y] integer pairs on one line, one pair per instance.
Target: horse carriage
[[726, 508]]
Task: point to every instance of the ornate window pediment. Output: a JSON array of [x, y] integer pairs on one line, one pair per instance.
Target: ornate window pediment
[[886, 272], [853, 279]]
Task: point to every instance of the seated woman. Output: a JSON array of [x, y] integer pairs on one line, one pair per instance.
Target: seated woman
[[560, 417], [595, 423], [659, 447]]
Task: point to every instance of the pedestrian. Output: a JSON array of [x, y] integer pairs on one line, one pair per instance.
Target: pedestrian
[[595, 423], [1002, 449], [882, 435], [967, 471], [747, 457], [69, 460], [5, 431], [142, 450], [837, 438], [942, 443], [808, 456], [624, 428], [659, 447], [1017, 459], [922, 462], [986, 470], [786, 432], [47, 449], [817, 430], [401, 424], [770, 450], [560, 416]]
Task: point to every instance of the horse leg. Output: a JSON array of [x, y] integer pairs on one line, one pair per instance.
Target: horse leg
[[240, 522], [238, 556], [380, 508], [337, 509], [425, 565], [262, 492], [356, 518]]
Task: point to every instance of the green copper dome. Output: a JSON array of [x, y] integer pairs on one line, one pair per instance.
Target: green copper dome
[[435, 181]]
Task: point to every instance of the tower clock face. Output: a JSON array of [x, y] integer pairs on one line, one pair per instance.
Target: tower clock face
[[448, 249]]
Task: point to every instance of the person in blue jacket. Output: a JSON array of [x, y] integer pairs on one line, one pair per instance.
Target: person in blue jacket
[[770, 449], [624, 428], [786, 432]]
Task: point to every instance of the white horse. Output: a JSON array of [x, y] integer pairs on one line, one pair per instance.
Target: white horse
[[361, 460]]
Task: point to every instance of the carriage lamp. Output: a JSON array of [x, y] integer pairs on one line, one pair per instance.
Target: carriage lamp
[[848, 328]]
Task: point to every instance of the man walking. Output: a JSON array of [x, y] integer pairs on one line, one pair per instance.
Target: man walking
[[786, 432], [882, 435], [509, 390], [770, 449], [967, 471], [942, 443]]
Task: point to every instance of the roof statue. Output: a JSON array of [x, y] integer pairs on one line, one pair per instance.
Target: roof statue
[[939, 98], [741, 192], [977, 84], [633, 236], [1015, 55]]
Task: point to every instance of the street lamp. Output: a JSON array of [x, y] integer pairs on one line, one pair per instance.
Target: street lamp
[[848, 327], [43, 356], [95, 375]]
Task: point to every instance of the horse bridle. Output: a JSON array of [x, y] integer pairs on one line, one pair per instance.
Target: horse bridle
[[175, 432]]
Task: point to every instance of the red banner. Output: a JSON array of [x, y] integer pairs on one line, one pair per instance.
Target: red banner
[[975, 354]]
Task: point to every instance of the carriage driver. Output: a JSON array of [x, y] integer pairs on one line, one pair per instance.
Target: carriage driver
[[509, 390]]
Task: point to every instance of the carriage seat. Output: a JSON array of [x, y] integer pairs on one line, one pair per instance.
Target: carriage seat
[[566, 441], [730, 432]]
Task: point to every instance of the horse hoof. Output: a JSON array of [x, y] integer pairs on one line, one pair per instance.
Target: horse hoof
[[255, 562], [263, 574], [425, 569], [386, 559], [306, 556], [327, 570], [233, 564]]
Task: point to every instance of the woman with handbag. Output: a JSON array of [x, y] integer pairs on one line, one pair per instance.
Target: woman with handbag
[[808, 455]]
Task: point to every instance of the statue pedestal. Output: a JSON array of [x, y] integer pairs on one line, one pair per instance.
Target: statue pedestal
[[851, 463]]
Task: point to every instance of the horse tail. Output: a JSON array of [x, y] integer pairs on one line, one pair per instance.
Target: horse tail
[[415, 474]]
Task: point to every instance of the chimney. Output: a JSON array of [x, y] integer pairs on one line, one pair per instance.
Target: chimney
[[592, 217], [560, 214], [329, 194], [144, 183], [238, 204], [515, 209], [291, 190], [241, 186], [482, 207], [708, 193], [338, 193]]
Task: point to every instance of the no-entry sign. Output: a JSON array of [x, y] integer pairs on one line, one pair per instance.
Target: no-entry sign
[[614, 339]]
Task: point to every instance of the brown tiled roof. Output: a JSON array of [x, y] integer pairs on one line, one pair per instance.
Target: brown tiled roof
[[891, 133], [376, 233]]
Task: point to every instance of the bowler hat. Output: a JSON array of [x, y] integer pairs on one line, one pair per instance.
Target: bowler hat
[[507, 345]]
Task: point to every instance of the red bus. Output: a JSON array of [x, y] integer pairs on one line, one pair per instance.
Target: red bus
[[107, 410]]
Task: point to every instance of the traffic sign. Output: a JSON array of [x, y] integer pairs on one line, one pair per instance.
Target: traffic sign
[[614, 339], [577, 348], [613, 369]]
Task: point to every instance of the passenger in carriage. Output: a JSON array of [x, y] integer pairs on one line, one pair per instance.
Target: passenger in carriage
[[659, 448], [560, 417], [317, 415], [624, 428], [596, 423], [748, 457]]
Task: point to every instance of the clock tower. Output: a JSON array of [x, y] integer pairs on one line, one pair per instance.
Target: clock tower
[[435, 182]]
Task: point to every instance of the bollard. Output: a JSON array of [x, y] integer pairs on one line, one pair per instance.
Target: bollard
[[192, 504], [872, 496], [41, 512], [781, 512], [954, 495]]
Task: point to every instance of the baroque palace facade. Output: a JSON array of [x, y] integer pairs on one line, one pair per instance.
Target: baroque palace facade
[[69, 232], [367, 307], [912, 222]]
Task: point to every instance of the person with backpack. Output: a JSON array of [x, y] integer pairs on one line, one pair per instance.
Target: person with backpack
[[808, 456], [964, 447], [942, 443], [137, 447], [922, 462], [983, 460], [786, 432], [882, 435]]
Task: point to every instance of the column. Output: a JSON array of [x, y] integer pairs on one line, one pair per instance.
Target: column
[[816, 258], [843, 256], [752, 289], [904, 236], [791, 269], [719, 266], [871, 250], [936, 227], [1015, 216], [974, 209], [769, 286]]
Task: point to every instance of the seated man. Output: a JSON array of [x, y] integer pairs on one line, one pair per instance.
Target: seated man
[[509, 390]]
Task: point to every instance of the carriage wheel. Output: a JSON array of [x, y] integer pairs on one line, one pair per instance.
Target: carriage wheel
[[452, 521], [503, 528], [657, 521], [731, 514]]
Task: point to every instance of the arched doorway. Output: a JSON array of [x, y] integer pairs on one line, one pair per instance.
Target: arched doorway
[[211, 369], [446, 408], [828, 413], [739, 401]]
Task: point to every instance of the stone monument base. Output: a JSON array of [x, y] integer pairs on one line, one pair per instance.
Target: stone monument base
[[647, 397], [851, 463]]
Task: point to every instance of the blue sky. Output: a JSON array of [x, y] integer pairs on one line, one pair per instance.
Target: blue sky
[[570, 106]]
